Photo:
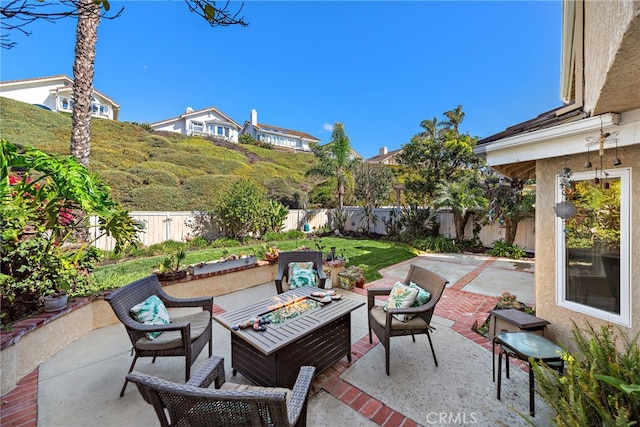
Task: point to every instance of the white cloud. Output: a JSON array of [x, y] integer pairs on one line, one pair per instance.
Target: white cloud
[[327, 126]]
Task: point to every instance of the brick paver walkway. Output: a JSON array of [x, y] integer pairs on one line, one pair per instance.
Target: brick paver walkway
[[19, 407]]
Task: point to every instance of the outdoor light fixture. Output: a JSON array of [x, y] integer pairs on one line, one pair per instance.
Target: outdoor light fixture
[[566, 209], [600, 141]]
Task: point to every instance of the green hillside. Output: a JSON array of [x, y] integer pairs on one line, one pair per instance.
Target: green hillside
[[158, 171]]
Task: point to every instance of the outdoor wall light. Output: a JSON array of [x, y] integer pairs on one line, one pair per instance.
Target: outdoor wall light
[[565, 210]]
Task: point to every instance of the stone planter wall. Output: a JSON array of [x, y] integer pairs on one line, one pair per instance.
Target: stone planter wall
[[36, 339]]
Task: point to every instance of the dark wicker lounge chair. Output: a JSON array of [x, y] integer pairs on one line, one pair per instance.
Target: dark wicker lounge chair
[[386, 326], [184, 336], [298, 256], [193, 404]]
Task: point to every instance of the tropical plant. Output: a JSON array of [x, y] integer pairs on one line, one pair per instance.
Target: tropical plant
[[600, 382], [372, 186], [463, 197], [173, 263], [335, 160], [417, 222], [438, 244], [40, 194], [503, 249], [274, 214]]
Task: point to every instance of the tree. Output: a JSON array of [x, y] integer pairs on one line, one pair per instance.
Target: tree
[[17, 14], [509, 203], [239, 210], [438, 159], [454, 118], [463, 197], [335, 161], [372, 187]]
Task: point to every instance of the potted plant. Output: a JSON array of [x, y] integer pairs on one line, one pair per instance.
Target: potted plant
[[351, 276], [171, 268], [271, 254]]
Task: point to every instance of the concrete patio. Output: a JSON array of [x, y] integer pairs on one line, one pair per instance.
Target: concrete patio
[[79, 386]]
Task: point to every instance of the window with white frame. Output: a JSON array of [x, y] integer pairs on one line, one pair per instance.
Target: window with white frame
[[593, 261], [197, 126]]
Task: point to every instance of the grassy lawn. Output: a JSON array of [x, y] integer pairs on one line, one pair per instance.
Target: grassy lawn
[[375, 254]]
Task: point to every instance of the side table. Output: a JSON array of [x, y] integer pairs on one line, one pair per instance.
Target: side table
[[512, 320], [525, 345]]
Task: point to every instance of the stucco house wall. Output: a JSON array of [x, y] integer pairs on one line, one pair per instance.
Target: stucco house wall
[[207, 121], [545, 277], [49, 91], [611, 68]]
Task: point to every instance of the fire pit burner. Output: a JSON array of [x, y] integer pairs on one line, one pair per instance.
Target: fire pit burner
[[290, 310]]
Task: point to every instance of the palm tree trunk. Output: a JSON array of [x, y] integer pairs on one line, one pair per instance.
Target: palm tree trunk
[[85, 55]]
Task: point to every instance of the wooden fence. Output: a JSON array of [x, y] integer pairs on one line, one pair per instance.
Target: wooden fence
[[162, 226]]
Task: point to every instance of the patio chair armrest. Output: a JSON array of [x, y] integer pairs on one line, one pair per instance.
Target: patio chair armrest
[[211, 372], [297, 402], [373, 292], [205, 302]]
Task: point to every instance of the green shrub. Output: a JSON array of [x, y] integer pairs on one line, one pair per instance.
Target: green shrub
[[503, 249], [239, 210], [600, 383], [439, 244], [225, 242], [198, 243]]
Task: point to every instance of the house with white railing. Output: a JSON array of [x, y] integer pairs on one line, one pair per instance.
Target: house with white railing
[[278, 137], [206, 122], [55, 93]]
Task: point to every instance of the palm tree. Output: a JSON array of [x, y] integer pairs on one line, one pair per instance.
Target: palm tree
[[454, 118], [463, 197], [85, 55], [335, 160], [430, 127]]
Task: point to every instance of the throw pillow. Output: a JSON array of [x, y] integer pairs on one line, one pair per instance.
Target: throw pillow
[[421, 299], [307, 265], [151, 312], [299, 277], [401, 296]]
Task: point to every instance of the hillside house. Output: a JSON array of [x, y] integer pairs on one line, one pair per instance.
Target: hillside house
[[279, 138], [587, 255], [206, 122], [385, 156], [55, 93]]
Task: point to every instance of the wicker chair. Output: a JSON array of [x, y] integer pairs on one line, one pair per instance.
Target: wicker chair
[[193, 404], [386, 326], [298, 256], [184, 336]]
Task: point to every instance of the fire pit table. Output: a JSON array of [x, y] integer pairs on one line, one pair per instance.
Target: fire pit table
[[319, 336]]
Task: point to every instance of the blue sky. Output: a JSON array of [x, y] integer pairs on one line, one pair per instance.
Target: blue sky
[[378, 67]]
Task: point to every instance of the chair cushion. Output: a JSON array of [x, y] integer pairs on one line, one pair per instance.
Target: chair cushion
[[421, 299], [171, 339], [379, 316], [401, 296], [299, 277], [151, 312]]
